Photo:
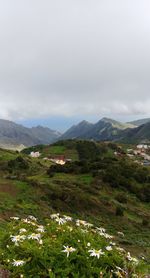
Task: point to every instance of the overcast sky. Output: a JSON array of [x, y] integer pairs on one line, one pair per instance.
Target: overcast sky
[[74, 58]]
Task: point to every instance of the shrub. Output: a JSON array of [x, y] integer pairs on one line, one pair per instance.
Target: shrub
[[119, 211], [145, 222], [121, 198]]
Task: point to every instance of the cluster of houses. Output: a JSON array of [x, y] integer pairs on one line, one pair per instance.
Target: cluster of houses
[[58, 159], [142, 151], [140, 154]]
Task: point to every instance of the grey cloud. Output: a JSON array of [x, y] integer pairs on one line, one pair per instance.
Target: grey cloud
[[74, 57]]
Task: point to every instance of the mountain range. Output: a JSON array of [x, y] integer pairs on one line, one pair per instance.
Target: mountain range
[[110, 130], [16, 136]]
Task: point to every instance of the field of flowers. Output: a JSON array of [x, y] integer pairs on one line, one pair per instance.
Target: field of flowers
[[63, 247]]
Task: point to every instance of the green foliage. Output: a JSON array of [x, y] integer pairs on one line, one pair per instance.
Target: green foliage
[[63, 247], [91, 187], [87, 150], [33, 149], [118, 173], [119, 211], [18, 163], [121, 198], [145, 222]]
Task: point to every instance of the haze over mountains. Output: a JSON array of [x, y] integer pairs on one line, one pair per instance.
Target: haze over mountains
[[110, 130], [13, 135]]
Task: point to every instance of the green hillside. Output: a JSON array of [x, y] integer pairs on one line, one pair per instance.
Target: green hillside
[[107, 191]]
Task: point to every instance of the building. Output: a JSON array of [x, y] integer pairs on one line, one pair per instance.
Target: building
[[60, 159], [142, 147], [35, 154]]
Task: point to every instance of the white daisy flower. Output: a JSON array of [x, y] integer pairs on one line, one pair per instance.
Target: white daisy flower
[[68, 250], [120, 234], [89, 225], [67, 218], [80, 222], [18, 262], [54, 215], [60, 220], [96, 253], [131, 259], [99, 229], [35, 236], [108, 248], [112, 243], [26, 221], [121, 270], [14, 218], [40, 229], [32, 218], [18, 238], [107, 236], [22, 231], [41, 241]]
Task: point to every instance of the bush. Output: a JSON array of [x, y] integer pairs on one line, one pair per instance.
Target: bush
[[121, 198], [18, 163], [119, 211], [145, 222]]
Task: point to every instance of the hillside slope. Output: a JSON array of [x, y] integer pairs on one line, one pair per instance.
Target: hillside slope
[[77, 131], [105, 129], [96, 186], [136, 135], [12, 134], [110, 130], [140, 122]]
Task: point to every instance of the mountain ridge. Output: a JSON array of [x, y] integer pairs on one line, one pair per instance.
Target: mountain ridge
[[140, 121], [14, 135], [107, 129], [17, 136]]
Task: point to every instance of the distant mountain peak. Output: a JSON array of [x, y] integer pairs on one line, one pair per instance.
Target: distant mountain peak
[[140, 122], [84, 122], [109, 120], [12, 134]]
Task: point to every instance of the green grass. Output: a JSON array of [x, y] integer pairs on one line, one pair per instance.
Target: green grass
[[85, 179], [81, 195], [6, 155], [55, 150]]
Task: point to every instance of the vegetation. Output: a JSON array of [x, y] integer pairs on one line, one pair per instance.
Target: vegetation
[[64, 247], [105, 190]]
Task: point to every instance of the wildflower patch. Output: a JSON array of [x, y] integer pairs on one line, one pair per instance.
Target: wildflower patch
[[63, 247]]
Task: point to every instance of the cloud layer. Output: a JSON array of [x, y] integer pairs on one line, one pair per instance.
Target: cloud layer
[[74, 57]]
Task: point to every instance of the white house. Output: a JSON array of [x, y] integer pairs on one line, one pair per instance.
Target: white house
[[142, 146], [58, 161], [35, 154]]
